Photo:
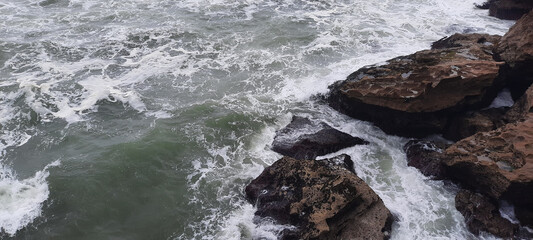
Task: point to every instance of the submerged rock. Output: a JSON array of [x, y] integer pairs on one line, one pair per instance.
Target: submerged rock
[[498, 163], [482, 214], [323, 199], [516, 49], [305, 139], [415, 95]]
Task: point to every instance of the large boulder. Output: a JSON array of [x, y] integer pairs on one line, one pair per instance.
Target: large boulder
[[516, 49], [482, 214], [306, 139], [322, 199], [415, 95], [509, 9], [498, 164]]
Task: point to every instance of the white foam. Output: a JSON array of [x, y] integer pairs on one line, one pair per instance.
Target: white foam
[[504, 99], [21, 200]]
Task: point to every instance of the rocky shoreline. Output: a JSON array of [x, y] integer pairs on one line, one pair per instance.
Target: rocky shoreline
[[445, 90]]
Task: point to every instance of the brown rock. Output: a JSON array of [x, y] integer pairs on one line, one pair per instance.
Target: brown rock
[[414, 95], [481, 214], [516, 49], [323, 199], [498, 163], [306, 139], [509, 9]]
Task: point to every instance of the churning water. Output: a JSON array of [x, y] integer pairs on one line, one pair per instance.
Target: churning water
[[134, 119]]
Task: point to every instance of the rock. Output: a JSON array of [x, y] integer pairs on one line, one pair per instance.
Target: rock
[[470, 123], [516, 49], [481, 214], [509, 9], [426, 157], [485, 5], [498, 164], [305, 139], [321, 198], [520, 108], [415, 95]]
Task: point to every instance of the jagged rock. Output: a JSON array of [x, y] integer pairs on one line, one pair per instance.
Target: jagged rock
[[426, 157], [481, 214], [508, 9], [321, 198], [498, 164], [305, 139], [516, 49], [468, 124], [415, 95]]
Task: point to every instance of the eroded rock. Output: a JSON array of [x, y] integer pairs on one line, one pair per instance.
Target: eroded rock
[[415, 95], [482, 214], [321, 198], [470, 123], [498, 163], [306, 139], [509, 9]]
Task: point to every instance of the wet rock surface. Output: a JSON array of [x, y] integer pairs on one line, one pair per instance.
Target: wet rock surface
[[323, 199], [482, 214], [305, 139], [426, 156], [414, 95], [470, 123]]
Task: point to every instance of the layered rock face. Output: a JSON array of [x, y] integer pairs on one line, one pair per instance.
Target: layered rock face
[[415, 95], [323, 199], [516, 49], [305, 139]]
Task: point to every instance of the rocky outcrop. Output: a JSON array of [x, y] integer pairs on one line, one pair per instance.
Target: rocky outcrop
[[415, 95], [516, 49], [323, 199], [498, 163], [520, 108], [426, 156], [305, 139], [481, 214], [508, 9]]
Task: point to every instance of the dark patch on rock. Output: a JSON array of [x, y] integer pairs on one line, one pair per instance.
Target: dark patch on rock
[[305, 139], [322, 199], [481, 214], [509, 9]]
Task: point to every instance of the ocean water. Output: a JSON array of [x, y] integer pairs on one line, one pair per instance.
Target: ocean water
[[140, 119]]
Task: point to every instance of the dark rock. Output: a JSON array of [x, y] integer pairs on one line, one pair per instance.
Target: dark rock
[[426, 157], [322, 199], [415, 95], [305, 139], [509, 9], [516, 49], [481, 214], [498, 164], [470, 123], [485, 5]]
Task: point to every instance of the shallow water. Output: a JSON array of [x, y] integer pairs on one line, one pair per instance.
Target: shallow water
[[145, 120]]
